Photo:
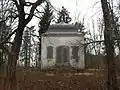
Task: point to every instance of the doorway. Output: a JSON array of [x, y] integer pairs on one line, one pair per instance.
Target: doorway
[[62, 55]]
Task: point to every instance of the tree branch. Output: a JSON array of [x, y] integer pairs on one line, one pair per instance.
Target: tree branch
[[34, 6], [8, 37], [34, 15], [39, 11], [94, 42], [117, 38], [4, 48], [16, 3]]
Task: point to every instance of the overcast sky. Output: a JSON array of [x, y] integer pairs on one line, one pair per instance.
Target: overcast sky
[[89, 9], [85, 8]]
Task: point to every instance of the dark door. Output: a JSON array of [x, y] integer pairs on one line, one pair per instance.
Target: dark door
[[62, 55]]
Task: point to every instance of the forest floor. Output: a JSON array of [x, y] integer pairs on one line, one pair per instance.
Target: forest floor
[[89, 79]]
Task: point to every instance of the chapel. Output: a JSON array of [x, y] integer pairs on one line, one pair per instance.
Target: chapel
[[62, 45]]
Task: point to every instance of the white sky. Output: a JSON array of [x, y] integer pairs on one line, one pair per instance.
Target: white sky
[[83, 7], [89, 9]]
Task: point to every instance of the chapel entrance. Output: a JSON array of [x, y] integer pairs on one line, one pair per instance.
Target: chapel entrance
[[62, 55]]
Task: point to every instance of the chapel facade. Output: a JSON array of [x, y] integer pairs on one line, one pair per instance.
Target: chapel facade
[[62, 45]]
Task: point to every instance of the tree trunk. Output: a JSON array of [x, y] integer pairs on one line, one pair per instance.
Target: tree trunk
[[109, 44], [39, 61], [11, 83]]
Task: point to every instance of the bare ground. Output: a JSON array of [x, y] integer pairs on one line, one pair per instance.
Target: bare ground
[[58, 80]]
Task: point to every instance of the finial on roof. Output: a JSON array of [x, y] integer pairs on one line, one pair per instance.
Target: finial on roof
[[63, 16]]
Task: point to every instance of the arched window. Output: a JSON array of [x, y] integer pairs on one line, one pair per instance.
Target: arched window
[[49, 52], [75, 52]]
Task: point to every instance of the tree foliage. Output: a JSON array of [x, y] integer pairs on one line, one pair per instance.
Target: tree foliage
[[46, 19], [44, 24]]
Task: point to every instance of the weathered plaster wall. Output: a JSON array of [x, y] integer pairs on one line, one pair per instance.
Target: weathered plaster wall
[[60, 40]]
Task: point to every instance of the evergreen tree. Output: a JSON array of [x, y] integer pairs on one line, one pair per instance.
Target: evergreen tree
[[25, 53], [45, 19], [44, 24]]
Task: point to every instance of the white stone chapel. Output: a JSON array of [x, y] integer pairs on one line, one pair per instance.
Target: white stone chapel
[[62, 45]]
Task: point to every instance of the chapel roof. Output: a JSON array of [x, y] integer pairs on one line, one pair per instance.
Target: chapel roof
[[62, 28]]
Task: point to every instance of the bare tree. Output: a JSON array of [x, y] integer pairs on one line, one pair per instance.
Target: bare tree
[[7, 19], [109, 46], [23, 20]]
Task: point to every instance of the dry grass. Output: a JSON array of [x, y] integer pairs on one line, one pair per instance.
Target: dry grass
[[52, 80]]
